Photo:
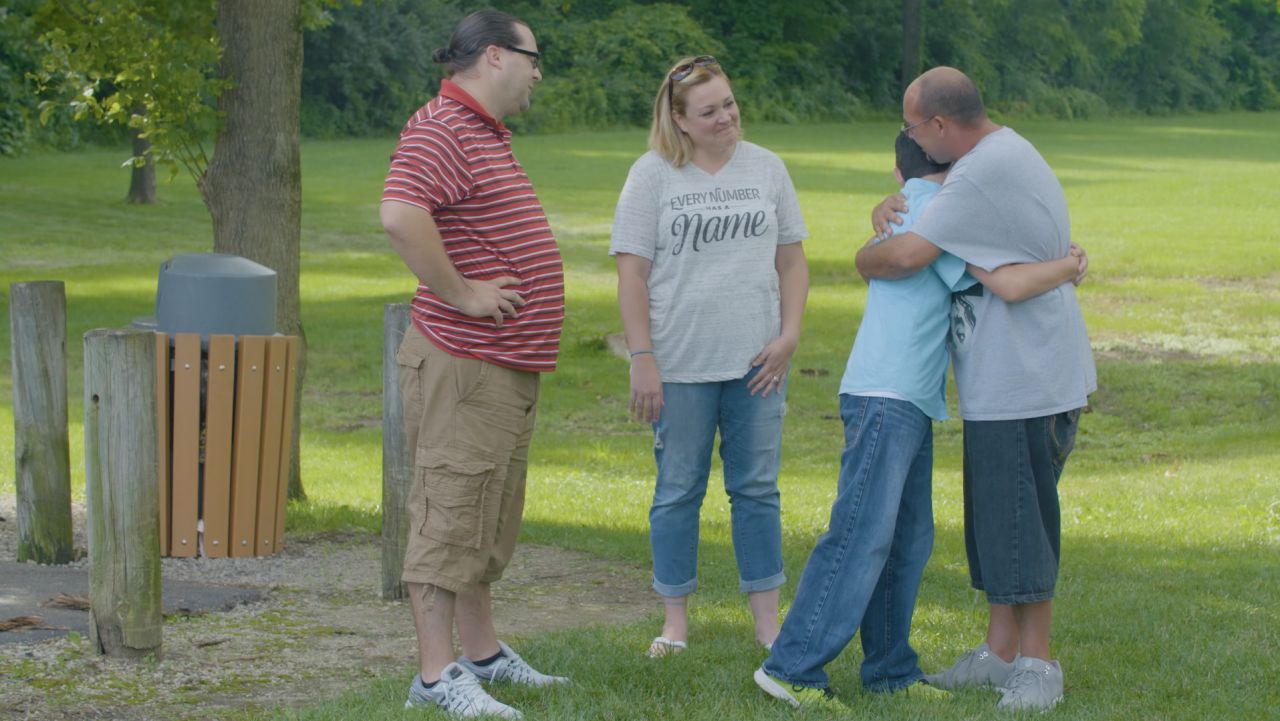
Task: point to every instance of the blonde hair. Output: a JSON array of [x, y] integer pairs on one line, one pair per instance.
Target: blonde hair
[[665, 137]]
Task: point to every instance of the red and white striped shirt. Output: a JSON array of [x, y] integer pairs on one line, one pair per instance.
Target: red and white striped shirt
[[455, 162]]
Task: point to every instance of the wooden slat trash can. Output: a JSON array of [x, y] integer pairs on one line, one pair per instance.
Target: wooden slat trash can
[[226, 414]]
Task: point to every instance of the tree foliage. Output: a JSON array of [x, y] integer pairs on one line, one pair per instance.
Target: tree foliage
[[149, 65], [613, 65], [21, 54], [369, 68], [1061, 58]]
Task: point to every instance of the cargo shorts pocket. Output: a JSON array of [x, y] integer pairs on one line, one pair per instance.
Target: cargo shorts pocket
[[455, 493]]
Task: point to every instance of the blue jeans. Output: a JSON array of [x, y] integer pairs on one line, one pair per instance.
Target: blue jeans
[[864, 574], [751, 448]]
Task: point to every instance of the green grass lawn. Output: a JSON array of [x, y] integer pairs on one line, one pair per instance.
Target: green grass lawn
[[1169, 603]]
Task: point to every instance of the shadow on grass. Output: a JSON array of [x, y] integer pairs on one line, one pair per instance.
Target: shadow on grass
[[1178, 630]]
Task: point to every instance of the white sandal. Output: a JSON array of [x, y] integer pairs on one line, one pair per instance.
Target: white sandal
[[663, 646]]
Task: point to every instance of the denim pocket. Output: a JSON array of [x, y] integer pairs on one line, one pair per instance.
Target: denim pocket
[[455, 492], [1062, 434]]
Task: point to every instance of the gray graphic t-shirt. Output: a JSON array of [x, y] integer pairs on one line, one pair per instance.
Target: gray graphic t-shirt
[[1001, 204], [713, 291]]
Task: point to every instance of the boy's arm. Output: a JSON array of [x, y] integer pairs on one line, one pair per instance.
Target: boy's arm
[[1019, 281]]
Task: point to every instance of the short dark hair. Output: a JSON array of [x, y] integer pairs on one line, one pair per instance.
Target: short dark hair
[[476, 32], [953, 97], [912, 161]]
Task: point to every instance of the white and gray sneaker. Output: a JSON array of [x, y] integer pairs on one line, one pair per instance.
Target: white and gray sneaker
[[1035, 684], [511, 669], [459, 693], [978, 668]]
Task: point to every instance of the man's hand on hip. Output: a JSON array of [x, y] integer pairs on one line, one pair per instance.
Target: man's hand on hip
[[491, 298]]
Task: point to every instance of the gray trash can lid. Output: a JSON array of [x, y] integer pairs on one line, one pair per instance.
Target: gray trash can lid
[[220, 265]]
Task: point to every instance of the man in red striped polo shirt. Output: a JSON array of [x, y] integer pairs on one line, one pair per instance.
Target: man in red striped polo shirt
[[487, 316]]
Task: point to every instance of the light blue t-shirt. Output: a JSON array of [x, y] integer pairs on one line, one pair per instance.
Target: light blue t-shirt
[[901, 348]]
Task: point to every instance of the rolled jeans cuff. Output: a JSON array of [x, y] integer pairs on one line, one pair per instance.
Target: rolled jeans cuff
[[763, 584], [676, 591]]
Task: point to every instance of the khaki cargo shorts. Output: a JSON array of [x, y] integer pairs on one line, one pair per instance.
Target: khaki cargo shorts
[[469, 423]]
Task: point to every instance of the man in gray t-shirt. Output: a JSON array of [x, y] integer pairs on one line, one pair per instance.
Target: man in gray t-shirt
[[1024, 370]]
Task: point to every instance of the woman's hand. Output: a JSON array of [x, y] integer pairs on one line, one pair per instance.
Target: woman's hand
[[773, 363], [646, 388]]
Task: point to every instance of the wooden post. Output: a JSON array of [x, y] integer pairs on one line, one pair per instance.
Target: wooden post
[[397, 458], [122, 482], [122, 486], [38, 323]]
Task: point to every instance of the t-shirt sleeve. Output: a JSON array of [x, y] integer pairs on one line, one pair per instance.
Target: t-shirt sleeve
[[963, 221], [635, 219], [428, 168], [952, 272], [791, 227]]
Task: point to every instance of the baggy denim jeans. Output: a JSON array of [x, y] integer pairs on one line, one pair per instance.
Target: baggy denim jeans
[[864, 574], [1012, 518], [751, 449]]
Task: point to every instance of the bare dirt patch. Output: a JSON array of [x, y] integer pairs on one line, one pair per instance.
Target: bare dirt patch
[[321, 625]]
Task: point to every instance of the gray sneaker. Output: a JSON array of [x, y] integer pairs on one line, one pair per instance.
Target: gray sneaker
[[1034, 684], [979, 668], [459, 694], [510, 668]]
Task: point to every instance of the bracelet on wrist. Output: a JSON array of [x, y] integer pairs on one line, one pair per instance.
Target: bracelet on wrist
[[646, 351]]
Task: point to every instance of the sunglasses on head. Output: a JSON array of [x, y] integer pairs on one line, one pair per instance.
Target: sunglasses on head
[[683, 71]]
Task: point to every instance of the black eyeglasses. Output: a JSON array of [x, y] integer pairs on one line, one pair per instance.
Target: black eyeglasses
[[535, 58], [906, 129], [683, 71]]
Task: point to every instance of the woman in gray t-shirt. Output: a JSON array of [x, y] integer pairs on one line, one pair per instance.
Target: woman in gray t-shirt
[[712, 283]]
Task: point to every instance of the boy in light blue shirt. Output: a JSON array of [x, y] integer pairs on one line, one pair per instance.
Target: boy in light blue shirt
[[900, 349], [864, 573]]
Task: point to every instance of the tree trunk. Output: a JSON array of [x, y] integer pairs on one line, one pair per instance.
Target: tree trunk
[[253, 187], [912, 23], [142, 180]]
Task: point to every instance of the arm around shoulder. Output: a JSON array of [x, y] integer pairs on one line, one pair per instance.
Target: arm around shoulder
[[897, 257], [1019, 281]]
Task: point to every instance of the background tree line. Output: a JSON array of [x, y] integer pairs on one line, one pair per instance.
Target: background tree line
[[368, 65], [816, 60]]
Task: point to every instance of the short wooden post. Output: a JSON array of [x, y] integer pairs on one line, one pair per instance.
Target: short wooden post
[[397, 457], [38, 327], [121, 474]]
